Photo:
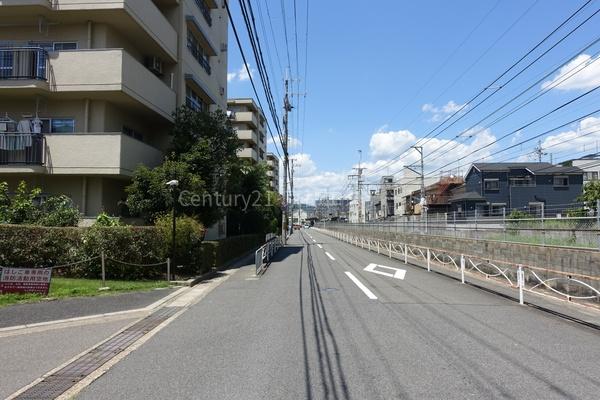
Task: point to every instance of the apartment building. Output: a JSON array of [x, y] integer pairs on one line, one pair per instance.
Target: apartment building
[[250, 123], [87, 89], [273, 171]]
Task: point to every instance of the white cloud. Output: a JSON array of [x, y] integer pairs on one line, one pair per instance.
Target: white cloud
[[240, 75], [441, 112], [582, 138], [386, 145], [577, 77]]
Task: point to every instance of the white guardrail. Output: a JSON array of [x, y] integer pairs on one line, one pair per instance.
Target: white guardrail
[[265, 253], [524, 278]]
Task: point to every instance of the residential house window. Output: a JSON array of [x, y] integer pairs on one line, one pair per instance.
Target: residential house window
[[590, 176], [198, 51], [491, 185], [496, 208], [561, 181], [193, 101], [522, 181]]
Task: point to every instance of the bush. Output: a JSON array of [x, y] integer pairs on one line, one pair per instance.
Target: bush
[[188, 238], [58, 211], [103, 219]]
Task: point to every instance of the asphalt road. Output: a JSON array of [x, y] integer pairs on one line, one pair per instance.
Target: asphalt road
[[311, 328]]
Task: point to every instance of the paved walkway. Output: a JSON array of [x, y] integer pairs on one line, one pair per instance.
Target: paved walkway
[[30, 313]]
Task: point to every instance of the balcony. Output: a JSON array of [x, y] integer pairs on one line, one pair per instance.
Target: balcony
[[23, 67], [246, 117], [248, 135], [75, 154], [138, 20], [248, 152], [205, 10], [22, 150]]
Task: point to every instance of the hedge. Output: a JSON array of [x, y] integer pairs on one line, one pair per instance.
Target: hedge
[[35, 246]]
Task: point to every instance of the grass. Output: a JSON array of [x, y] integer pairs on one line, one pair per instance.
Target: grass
[[67, 287], [538, 239]]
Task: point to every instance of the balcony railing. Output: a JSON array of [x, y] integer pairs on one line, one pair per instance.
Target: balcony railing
[[21, 149], [23, 63], [205, 11]]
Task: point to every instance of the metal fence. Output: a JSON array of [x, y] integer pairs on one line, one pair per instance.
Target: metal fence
[[265, 253], [572, 227], [520, 277], [22, 148]]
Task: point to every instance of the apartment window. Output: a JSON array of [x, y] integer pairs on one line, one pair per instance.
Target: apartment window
[[193, 101], [205, 10], [561, 181], [491, 185], [62, 125], [59, 46], [522, 181], [198, 51]]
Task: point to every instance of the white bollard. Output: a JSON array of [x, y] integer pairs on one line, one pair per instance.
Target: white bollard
[[462, 268], [521, 283], [428, 260]]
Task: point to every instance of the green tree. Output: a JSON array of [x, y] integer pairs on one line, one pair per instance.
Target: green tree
[[591, 194], [22, 208], [58, 211], [203, 152]]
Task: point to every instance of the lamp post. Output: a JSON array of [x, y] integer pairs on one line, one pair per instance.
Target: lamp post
[[172, 184]]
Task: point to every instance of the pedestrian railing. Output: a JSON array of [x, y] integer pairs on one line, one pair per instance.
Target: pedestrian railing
[[521, 277], [265, 253]]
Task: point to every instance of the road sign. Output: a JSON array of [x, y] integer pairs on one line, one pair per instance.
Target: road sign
[[395, 273], [25, 280]]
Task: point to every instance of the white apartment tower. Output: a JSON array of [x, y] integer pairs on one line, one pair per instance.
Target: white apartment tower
[[249, 121], [88, 88]]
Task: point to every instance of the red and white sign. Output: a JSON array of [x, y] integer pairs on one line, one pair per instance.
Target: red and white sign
[[25, 280]]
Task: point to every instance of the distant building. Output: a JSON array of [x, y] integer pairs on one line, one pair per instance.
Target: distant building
[[590, 165], [490, 187], [249, 122], [437, 196], [408, 183], [273, 171], [332, 208]]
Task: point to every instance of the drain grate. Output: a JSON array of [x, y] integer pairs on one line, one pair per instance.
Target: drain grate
[[62, 380]]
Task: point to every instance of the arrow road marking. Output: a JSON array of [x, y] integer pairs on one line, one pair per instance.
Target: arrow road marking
[[397, 274], [361, 286]]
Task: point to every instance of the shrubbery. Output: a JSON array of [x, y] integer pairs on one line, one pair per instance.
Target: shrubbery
[[36, 246]]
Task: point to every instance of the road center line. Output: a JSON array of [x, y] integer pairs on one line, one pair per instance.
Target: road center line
[[330, 256], [361, 286]]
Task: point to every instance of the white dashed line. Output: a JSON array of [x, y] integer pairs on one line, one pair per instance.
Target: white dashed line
[[320, 246], [330, 256], [361, 286]]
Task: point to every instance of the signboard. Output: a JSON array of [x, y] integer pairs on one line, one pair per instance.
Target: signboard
[[25, 280]]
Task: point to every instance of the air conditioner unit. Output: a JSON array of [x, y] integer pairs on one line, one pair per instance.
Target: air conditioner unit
[[155, 65]]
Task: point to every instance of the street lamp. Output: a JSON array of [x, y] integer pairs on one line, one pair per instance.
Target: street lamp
[[172, 184]]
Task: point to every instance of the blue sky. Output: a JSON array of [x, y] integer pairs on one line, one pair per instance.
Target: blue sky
[[383, 74]]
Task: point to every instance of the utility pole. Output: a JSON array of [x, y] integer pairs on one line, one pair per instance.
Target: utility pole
[[539, 151], [420, 150], [292, 193], [359, 184], [287, 107]]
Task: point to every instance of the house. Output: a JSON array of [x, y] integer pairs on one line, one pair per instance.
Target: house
[[589, 164], [490, 187], [437, 196]]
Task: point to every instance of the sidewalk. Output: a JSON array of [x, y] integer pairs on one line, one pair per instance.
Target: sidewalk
[[31, 313]]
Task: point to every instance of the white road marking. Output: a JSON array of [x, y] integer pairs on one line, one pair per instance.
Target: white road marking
[[398, 273], [330, 256], [320, 246], [361, 286], [314, 241]]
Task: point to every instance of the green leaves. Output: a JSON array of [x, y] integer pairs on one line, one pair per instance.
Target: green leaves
[[591, 194]]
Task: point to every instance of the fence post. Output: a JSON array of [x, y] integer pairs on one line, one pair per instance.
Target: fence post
[[428, 260], [520, 282], [406, 254], [504, 221], [454, 220], [543, 231], [368, 244], [462, 268], [377, 246], [475, 220], [598, 219], [168, 269], [390, 249], [103, 269]]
